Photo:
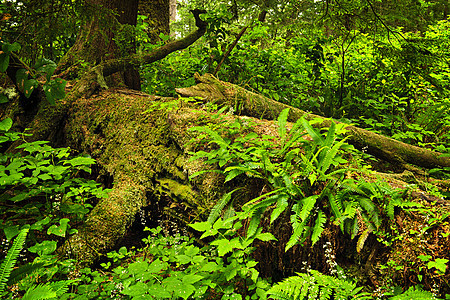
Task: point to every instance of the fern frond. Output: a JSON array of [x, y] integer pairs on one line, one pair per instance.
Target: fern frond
[[39, 292], [19, 273], [324, 165], [297, 231], [362, 239], [61, 287], [336, 204], [11, 257], [282, 204], [255, 219], [331, 135], [318, 226], [315, 135], [308, 204], [415, 293], [47, 291], [282, 120], [315, 285], [217, 209], [390, 207], [370, 208]]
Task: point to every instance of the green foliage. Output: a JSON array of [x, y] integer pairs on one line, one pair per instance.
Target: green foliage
[[310, 182], [415, 293], [40, 194], [53, 88], [173, 267], [315, 285], [9, 261]]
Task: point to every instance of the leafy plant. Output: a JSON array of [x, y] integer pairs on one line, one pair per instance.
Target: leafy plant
[[293, 177], [315, 285], [10, 260], [40, 193]]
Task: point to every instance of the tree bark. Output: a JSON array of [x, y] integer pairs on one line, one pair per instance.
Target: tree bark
[[99, 41]]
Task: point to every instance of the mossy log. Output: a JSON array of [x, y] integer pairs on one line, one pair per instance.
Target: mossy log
[[251, 104]]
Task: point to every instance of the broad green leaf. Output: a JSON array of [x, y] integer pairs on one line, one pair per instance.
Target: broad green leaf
[[21, 77], [210, 267], [191, 278], [223, 246], [184, 259], [185, 291], [59, 230], [3, 99], [40, 224], [44, 248], [54, 90], [156, 266], [265, 237], [11, 47], [45, 66], [138, 289], [11, 231], [159, 292], [80, 160], [29, 87], [6, 124], [201, 226], [4, 62], [137, 268]]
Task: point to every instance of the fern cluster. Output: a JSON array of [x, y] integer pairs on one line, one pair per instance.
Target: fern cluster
[[315, 285]]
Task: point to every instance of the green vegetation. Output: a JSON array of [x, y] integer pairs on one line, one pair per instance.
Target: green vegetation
[[284, 185]]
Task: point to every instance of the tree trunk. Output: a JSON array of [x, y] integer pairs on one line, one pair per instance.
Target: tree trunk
[[99, 41]]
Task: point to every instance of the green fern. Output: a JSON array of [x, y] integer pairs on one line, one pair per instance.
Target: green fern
[[282, 120], [415, 293], [19, 273], [316, 136], [318, 226], [298, 227], [48, 290], [218, 208], [10, 260], [315, 285]]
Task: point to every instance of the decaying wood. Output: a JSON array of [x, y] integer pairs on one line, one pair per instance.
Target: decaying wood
[[248, 103]]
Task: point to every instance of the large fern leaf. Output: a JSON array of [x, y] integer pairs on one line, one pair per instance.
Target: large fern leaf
[[19, 273], [217, 209], [282, 120], [10, 260], [415, 293], [40, 292], [308, 204], [315, 135], [315, 285], [318, 226]]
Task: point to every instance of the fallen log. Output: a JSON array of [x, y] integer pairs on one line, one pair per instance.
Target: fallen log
[[251, 104]]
